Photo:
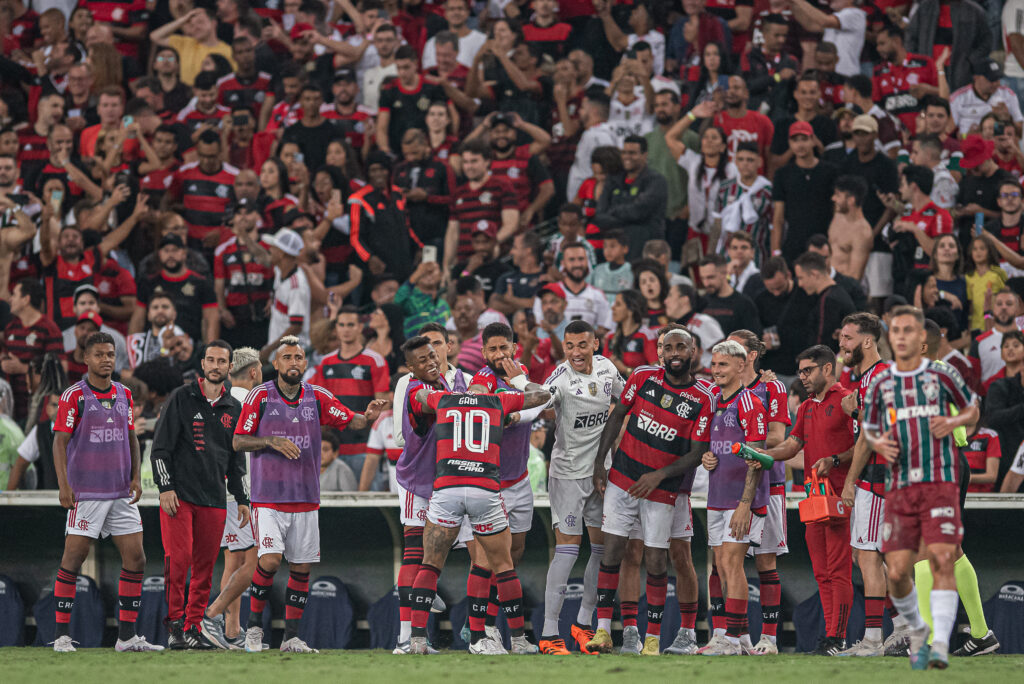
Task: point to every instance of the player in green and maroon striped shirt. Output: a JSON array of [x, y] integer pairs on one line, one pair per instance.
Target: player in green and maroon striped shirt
[[908, 421]]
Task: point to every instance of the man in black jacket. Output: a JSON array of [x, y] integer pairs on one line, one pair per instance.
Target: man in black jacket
[[634, 202], [378, 225], [192, 454], [427, 184]]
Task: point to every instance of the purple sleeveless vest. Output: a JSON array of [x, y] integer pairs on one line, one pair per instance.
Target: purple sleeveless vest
[[417, 465], [777, 475], [515, 444], [276, 479], [725, 485], [99, 455]]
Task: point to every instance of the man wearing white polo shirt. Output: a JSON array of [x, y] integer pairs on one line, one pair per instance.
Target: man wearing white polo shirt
[[844, 28]]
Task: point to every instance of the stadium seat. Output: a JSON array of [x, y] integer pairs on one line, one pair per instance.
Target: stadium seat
[[383, 619], [328, 619], [809, 622], [153, 613], [1004, 613], [12, 613], [570, 609], [87, 618]]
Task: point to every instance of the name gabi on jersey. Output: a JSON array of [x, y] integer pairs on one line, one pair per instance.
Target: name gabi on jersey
[[591, 420], [653, 427]]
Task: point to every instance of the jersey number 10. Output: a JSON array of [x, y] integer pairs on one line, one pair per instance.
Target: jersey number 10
[[462, 432]]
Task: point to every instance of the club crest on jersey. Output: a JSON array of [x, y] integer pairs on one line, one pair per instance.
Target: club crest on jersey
[[930, 387], [592, 388], [666, 401], [308, 413], [608, 388]]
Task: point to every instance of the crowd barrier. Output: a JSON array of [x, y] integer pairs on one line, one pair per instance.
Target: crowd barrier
[[361, 551]]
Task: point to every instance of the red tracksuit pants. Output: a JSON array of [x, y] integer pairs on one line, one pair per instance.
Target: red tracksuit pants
[[832, 559], [191, 542]]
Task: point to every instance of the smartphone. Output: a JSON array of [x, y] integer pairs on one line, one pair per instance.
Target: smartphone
[[998, 128], [123, 178], [127, 120], [430, 254], [979, 223], [300, 158], [336, 197], [56, 199], [239, 120]]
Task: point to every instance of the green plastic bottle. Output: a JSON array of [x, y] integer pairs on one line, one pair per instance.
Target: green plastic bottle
[[748, 454]]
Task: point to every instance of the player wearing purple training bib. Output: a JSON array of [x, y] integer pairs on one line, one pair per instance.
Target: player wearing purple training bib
[[97, 459]]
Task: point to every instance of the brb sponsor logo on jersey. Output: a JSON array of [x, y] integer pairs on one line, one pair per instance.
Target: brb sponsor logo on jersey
[[653, 427], [591, 420]]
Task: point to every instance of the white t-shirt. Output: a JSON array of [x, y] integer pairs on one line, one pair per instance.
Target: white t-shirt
[[1013, 22], [968, 109], [29, 448], [291, 304], [848, 39], [372, 80], [581, 405], [631, 119], [710, 333], [657, 42], [589, 305], [592, 138], [469, 45]]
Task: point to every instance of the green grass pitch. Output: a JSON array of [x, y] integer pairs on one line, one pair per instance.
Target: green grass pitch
[[369, 667]]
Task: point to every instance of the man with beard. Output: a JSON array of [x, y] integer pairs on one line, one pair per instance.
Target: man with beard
[[516, 493], [521, 164], [902, 79], [427, 184], [193, 294], [192, 455], [579, 417], [205, 189], [354, 121], [584, 302], [663, 405], [286, 482], [415, 469], [849, 234], [741, 124], [635, 201], [247, 87], [162, 335], [243, 278], [65, 263]]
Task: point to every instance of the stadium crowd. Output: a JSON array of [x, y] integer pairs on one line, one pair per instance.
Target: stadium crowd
[[239, 191]]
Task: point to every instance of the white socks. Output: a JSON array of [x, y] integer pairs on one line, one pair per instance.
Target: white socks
[[907, 606], [404, 631], [944, 603], [873, 634], [605, 624], [554, 590], [589, 600]]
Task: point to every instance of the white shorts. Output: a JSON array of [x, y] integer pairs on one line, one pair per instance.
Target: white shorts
[[236, 538], [393, 485], [107, 517], [413, 508], [296, 535], [718, 529], [485, 510], [622, 513], [866, 521], [878, 273], [574, 505], [774, 539], [519, 506], [682, 518]]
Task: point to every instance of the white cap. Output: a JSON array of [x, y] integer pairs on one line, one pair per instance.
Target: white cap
[[662, 84], [286, 240]]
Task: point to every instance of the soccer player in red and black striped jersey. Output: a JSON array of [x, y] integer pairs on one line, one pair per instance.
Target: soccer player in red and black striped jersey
[[907, 420], [355, 375], [483, 197], [656, 457], [206, 188], [864, 489], [467, 483]]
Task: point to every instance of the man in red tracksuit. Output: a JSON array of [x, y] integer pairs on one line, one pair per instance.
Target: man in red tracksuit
[[825, 433], [192, 454]]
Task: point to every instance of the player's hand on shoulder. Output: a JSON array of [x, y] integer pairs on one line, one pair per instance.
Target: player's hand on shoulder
[[512, 419], [709, 461]]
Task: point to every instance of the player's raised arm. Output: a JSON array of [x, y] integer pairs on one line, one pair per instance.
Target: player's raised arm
[[533, 394]]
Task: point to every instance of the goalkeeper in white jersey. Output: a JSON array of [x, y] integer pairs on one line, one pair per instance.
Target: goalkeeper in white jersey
[[583, 389]]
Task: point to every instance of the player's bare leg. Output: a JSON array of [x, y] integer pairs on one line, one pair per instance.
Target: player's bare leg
[[129, 593], [687, 593], [872, 570], [607, 584], [729, 558], [437, 542], [899, 565], [631, 585], [656, 560], [223, 617], [76, 550]]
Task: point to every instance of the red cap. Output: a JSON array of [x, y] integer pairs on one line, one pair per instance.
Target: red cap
[[90, 316], [490, 228], [976, 150], [555, 289], [299, 29], [801, 128]]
